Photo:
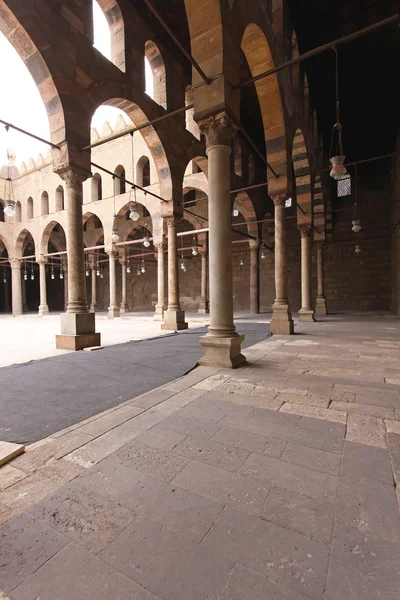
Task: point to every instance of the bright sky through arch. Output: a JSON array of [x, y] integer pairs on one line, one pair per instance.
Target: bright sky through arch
[[18, 86]]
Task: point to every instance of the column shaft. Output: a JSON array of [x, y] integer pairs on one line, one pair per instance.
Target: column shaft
[[16, 284], [254, 277], [113, 309], [306, 313], [123, 306], [93, 304], [160, 306], [203, 306], [281, 322], [320, 305], [221, 345], [174, 317], [43, 308]]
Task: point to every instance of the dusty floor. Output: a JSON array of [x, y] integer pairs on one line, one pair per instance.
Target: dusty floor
[[277, 480]]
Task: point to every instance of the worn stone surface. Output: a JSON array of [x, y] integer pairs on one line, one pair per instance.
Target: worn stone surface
[[10, 475], [249, 441], [8, 451], [315, 411], [366, 430], [245, 584], [158, 437], [367, 461], [212, 453], [319, 460], [107, 480]]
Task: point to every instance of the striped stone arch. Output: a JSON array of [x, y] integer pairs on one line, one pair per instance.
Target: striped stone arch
[[92, 237], [34, 62], [318, 210], [3, 246], [46, 235], [153, 141], [301, 169], [21, 241], [116, 24], [244, 205], [259, 58]]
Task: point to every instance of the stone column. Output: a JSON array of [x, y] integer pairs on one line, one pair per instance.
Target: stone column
[[160, 306], [320, 305], [281, 322], [65, 281], [124, 305], [254, 276], [43, 307], [174, 317], [113, 309], [77, 324], [221, 345], [93, 304], [306, 312], [203, 306], [6, 298], [16, 289]]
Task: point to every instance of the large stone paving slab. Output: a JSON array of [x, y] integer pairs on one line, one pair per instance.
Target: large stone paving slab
[[245, 584], [75, 573]]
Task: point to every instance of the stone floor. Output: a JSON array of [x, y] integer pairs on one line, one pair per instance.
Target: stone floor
[[275, 481]]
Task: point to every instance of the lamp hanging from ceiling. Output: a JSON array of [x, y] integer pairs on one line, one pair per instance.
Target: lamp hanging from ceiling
[[356, 222], [4, 276], [143, 268], [263, 254], [128, 266], [61, 273], [25, 272], [194, 247], [338, 170], [146, 239], [114, 231], [183, 265], [133, 213], [241, 262], [9, 202]]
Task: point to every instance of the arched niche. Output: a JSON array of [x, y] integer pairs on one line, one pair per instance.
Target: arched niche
[[29, 208], [18, 212], [143, 171], [113, 15], [157, 66], [59, 199], [119, 184], [44, 204], [96, 188]]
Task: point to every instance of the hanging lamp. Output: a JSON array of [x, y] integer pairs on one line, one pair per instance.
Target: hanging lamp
[[52, 274], [9, 202], [138, 270], [133, 213], [61, 273], [356, 222], [146, 239], [263, 254], [4, 276], [143, 268], [114, 231], [338, 170], [128, 266], [25, 272], [241, 262], [183, 266], [194, 247]]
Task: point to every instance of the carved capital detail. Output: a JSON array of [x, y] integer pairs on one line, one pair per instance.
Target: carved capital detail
[[15, 263], [219, 131], [171, 221], [304, 229], [279, 199], [71, 175]]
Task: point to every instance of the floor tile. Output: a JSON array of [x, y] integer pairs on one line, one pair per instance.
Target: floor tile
[[108, 479], [158, 437], [167, 564], [189, 514], [368, 506], [293, 478], [249, 441], [25, 545], [84, 516], [319, 460], [367, 461], [223, 487], [307, 516], [150, 461], [211, 453], [75, 573], [362, 567], [245, 584], [280, 554], [320, 440], [200, 429]]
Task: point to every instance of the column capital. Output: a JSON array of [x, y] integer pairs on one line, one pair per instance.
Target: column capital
[[304, 229], [112, 253], [279, 199], [42, 260], [71, 174], [15, 263], [160, 246], [219, 131], [254, 244], [171, 220], [319, 245]]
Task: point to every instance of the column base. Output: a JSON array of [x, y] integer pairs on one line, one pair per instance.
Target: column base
[[159, 312], [281, 322], [113, 312], [93, 308], [123, 308], [320, 307], [204, 308], [306, 315], [222, 352], [43, 310], [174, 320], [77, 332]]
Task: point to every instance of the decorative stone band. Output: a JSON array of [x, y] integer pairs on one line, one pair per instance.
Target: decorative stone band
[[305, 229], [219, 131]]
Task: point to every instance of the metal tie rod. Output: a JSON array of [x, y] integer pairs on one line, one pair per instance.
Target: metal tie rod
[[32, 135]]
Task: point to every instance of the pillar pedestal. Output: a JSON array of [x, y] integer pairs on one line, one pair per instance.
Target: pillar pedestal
[[174, 317], [320, 307], [77, 332], [221, 345], [204, 308], [281, 322]]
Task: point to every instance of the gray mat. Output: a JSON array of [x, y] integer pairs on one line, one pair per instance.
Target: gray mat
[[45, 396]]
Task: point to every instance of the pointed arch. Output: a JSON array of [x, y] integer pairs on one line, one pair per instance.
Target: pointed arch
[[301, 167], [29, 208], [143, 171], [96, 188], [259, 58], [44, 204], [54, 231], [116, 24], [24, 240], [244, 205], [157, 65], [59, 199], [17, 217], [119, 184]]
